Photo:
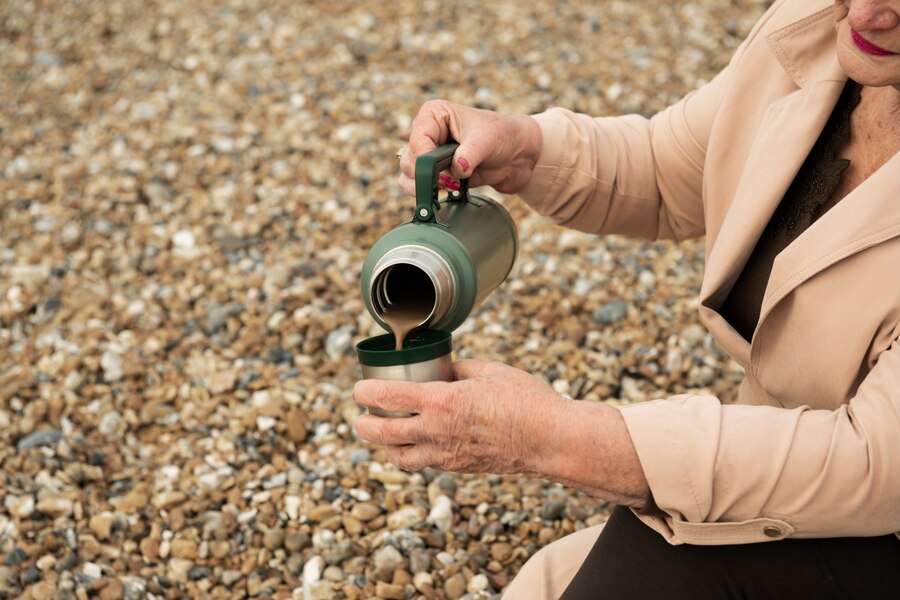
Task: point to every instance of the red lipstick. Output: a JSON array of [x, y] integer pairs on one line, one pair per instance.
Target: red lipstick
[[867, 46]]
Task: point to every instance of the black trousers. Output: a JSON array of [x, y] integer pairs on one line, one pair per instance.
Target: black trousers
[[630, 560]]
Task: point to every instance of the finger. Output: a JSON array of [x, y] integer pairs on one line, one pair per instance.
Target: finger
[[412, 458], [392, 396], [471, 152], [407, 184], [429, 130], [389, 431], [468, 368]]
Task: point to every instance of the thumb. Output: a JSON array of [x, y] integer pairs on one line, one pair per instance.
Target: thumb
[[472, 151]]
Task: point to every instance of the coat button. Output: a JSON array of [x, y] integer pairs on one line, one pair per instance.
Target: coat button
[[772, 532]]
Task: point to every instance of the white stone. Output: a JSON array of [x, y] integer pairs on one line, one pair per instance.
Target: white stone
[[210, 481], [423, 579], [184, 239], [647, 278], [264, 423], [19, 504], [312, 570], [338, 341], [478, 583], [292, 507], [112, 365], [92, 570], [441, 515], [110, 423], [406, 517], [247, 516]]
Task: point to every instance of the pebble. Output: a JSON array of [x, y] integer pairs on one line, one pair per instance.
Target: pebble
[[295, 542], [318, 591], [405, 540], [92, 570], [365, 511], [338, 342], [45, 437], [455, 586], [441, 514], [273, 539], [611, 312], [555, 504], [113, 366], [55, 506], [44, 590], [30, 576], [178, 569], [312, 570], [231, 576], [183, 238], [406, 517], [423, 580], [101, 525], [420, 560], [182, 548], [199, 572], [384, 561], [478, 583], [110, 424]]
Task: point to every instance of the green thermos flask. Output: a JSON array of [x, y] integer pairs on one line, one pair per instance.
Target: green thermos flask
[[447, 259]]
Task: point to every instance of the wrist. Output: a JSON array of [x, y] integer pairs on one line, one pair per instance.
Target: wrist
[[530, 140], [591, 450]]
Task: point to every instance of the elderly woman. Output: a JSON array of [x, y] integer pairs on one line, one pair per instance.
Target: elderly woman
[[787, 162]]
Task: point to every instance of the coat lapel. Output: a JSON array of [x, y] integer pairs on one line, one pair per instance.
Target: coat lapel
[[867, 216], [786, 134], [783, 140]]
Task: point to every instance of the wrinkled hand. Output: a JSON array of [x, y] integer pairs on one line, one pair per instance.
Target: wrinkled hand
[[492, 419], [494, 149]]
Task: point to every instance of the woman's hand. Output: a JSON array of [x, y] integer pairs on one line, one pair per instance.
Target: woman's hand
[[498, 419], [494, 149], [492, 419]]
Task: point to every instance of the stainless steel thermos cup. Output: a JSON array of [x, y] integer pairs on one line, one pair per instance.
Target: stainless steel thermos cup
[[426, 357]]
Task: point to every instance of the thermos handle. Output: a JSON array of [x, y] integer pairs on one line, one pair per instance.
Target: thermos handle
[[428, 168]]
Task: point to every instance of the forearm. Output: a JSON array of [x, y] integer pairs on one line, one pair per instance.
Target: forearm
[[592, 451]]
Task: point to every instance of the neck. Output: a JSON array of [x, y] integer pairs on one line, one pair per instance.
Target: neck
[[887, 101], [894, 103]]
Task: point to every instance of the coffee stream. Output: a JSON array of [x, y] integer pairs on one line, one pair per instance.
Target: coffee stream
[[409, 299], [403, 319]]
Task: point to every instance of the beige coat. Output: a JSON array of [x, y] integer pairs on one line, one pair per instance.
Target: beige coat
[[812, 449]]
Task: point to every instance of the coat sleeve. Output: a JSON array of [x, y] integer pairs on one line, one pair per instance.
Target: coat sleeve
[[735, 473], [630, 175]]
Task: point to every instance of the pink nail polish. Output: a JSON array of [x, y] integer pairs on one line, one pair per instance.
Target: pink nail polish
[[463, 163], [445, 179], [453, 185]]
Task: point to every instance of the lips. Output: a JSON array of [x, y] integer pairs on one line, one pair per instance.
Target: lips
[[867, 46]]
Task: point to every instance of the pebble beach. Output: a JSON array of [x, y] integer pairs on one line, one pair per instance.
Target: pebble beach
[[187, 194]]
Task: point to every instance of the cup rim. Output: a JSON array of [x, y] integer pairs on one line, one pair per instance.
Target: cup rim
[[429, 344]]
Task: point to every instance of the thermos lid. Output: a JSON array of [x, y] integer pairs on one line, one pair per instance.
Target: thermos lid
[[422, 346]]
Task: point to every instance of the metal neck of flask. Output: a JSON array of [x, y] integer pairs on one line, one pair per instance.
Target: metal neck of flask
[[417, 265]]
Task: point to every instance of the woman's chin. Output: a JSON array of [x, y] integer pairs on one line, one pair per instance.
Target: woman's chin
[[874, 71]]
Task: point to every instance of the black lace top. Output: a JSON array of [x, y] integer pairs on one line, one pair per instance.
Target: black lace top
[[807, 199]]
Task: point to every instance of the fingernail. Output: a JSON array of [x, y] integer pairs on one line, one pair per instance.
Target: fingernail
[[463, 163], [453, 185], [445, 179]]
